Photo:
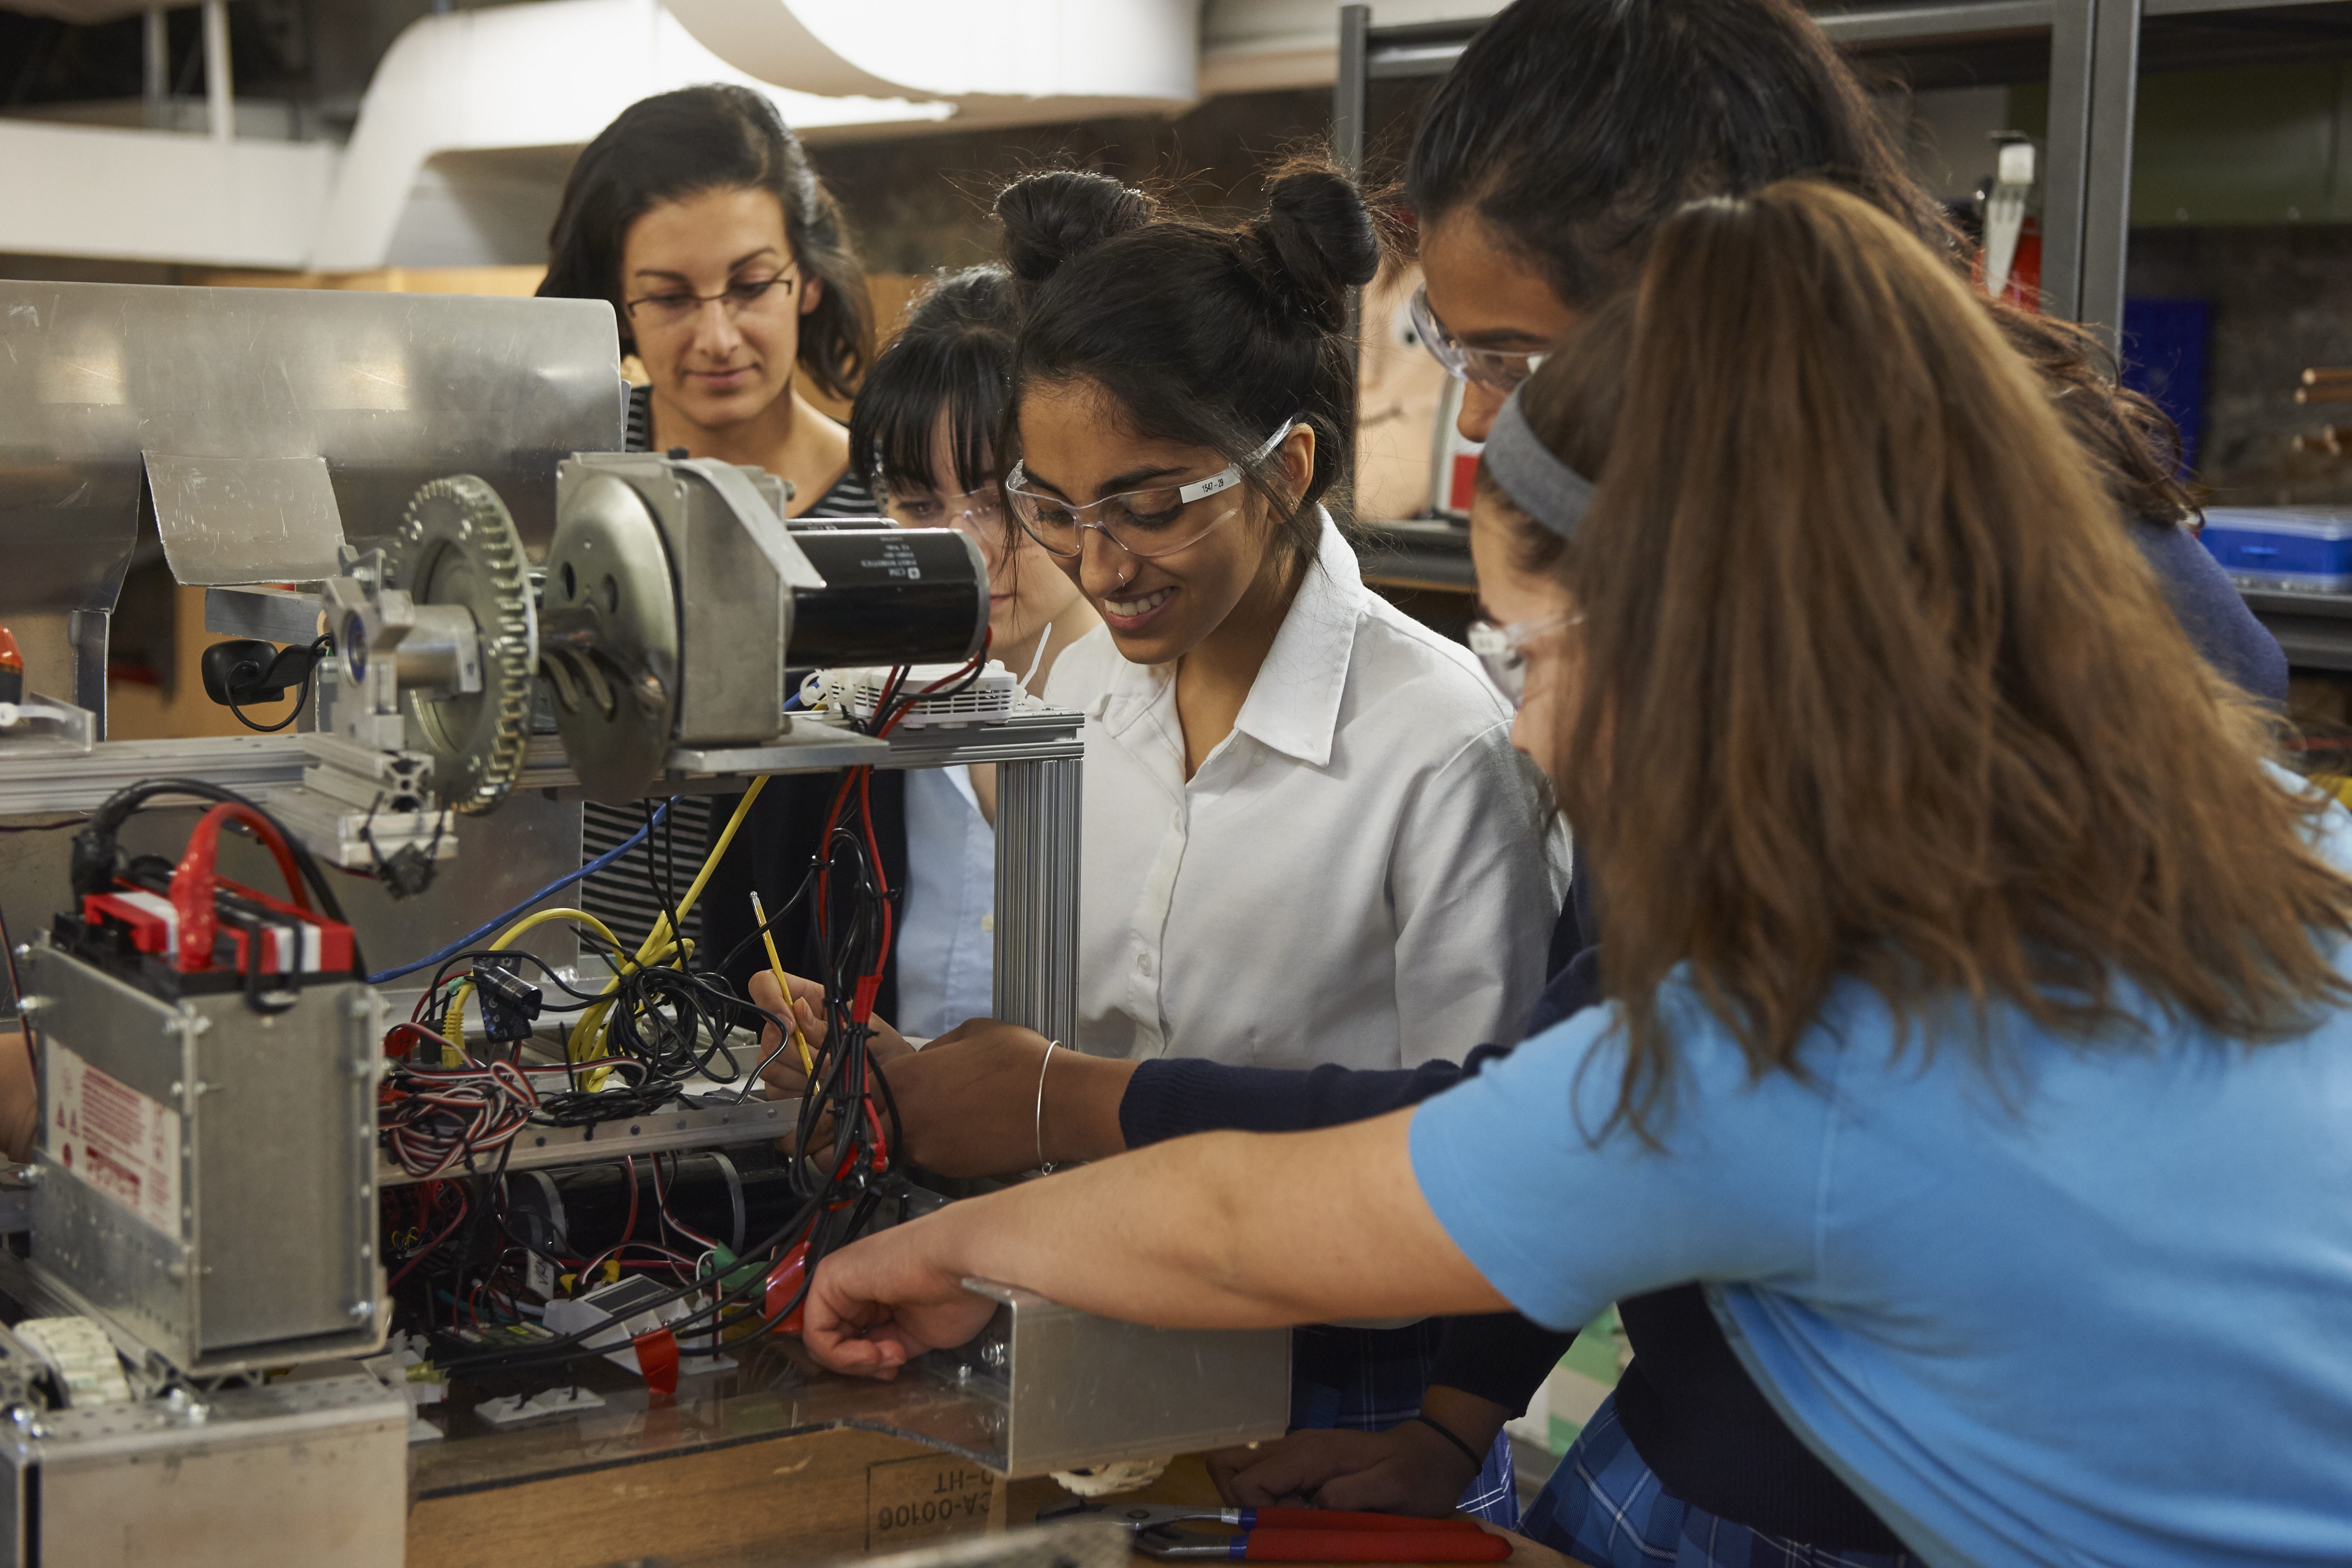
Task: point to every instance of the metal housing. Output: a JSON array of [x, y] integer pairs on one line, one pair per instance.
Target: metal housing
[[310, 1472], [271, 1258]]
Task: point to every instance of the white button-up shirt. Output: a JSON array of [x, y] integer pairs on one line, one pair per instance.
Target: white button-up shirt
[[1364, 872]]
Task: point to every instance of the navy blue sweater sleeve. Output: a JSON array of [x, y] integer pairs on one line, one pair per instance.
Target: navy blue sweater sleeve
[[2212, 612], [1170, 1098]]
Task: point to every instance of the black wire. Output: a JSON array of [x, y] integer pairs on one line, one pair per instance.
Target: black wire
[[668, 1027], [317, 650], [45, 826]]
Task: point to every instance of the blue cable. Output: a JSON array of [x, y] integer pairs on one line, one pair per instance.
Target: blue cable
[[557, 885]]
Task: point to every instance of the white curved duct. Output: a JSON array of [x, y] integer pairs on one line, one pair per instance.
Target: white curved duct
[[547, 75], [1000, 60]]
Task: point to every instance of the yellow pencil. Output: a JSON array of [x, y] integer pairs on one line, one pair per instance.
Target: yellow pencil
[[776, 967]]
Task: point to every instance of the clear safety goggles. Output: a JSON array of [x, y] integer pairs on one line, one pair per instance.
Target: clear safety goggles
[[978, 512], [1144, 524], [1500, 370], [1502, 650]]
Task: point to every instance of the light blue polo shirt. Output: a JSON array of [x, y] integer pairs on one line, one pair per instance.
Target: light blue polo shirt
[[2092, 1309]]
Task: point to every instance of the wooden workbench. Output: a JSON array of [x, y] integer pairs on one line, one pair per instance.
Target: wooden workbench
[[770, 1465]]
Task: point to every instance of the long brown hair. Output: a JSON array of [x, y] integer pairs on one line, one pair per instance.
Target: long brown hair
[[1875, 688]]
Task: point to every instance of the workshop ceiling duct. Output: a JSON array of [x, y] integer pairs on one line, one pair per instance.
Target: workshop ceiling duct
[[999, 61]]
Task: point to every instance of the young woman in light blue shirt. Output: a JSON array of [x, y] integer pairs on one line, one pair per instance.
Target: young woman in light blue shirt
[[1980, 1033]]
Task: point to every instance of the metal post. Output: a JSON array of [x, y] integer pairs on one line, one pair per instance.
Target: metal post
[[2107, 206], [1037, 807], [1348, 93], [159, 69], [86, 630], [2065, 191], [219, 91]]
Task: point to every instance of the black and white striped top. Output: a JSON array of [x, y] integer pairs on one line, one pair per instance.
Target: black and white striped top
[[624, 895]]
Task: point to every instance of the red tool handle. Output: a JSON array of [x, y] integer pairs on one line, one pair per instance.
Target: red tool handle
[[1373, 1546], [1334, 1519]]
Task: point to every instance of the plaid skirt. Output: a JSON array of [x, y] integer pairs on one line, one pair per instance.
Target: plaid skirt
[[1604, 1507], [1368, 1380]]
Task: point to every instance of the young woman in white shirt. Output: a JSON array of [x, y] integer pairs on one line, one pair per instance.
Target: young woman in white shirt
[[1288, 780]]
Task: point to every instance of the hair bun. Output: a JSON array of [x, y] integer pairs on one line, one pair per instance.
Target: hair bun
[[1051, 216], [1318, 241]]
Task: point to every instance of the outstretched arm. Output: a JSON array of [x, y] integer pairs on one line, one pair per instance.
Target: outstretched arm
[[1225, 1230]]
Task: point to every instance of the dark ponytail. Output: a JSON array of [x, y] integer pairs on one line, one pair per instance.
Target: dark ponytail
[[712, 138], [1576, 128], [1204, 335]]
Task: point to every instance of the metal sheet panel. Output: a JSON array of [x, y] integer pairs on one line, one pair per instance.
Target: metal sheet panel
[[245, 519], [311, 1471], [1060, 1388], [388, 390]]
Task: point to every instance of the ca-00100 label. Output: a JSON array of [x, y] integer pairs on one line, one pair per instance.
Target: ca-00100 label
[[914, 1499]]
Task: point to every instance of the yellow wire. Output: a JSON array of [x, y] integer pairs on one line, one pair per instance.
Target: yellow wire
[[776, 967], [453, 1021], [587, 1041]]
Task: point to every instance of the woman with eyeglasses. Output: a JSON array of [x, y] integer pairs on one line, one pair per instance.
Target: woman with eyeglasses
[[697, 216], [1277, 762]]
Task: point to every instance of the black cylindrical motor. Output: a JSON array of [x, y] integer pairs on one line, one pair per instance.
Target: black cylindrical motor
[[892, 595], [580, 1212]]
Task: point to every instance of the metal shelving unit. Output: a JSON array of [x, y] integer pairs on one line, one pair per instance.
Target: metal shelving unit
[[2090, 51]]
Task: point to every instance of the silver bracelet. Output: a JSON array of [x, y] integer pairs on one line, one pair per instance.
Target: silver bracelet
[[1045, 1166]]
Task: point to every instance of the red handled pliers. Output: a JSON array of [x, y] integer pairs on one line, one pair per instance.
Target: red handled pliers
[[1296, 1534]]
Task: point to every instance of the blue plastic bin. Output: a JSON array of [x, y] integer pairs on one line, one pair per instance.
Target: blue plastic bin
[[2308, 550]]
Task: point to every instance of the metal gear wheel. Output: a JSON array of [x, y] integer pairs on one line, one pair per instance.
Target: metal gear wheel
[[457, 545]]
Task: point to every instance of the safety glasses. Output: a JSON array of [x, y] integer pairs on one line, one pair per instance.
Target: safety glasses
[[1502, 650], [978, 512], [1144, 524], [1500, 370]]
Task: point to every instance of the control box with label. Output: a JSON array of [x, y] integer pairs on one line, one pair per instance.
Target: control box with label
[[208, 1172]]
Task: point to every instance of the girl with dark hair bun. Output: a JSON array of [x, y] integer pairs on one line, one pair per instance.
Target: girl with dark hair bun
[[696, 215], [1306, 840], [1184, 407]]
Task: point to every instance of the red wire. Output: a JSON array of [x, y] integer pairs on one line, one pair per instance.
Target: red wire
[[430, 1246]]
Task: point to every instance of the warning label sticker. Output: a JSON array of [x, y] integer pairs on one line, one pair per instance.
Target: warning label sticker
[[114, 1138]]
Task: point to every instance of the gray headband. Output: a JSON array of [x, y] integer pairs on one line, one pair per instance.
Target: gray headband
[[1538, 483]]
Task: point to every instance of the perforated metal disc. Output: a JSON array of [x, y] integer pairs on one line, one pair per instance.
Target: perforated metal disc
[[457, 545], [611, 642]]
